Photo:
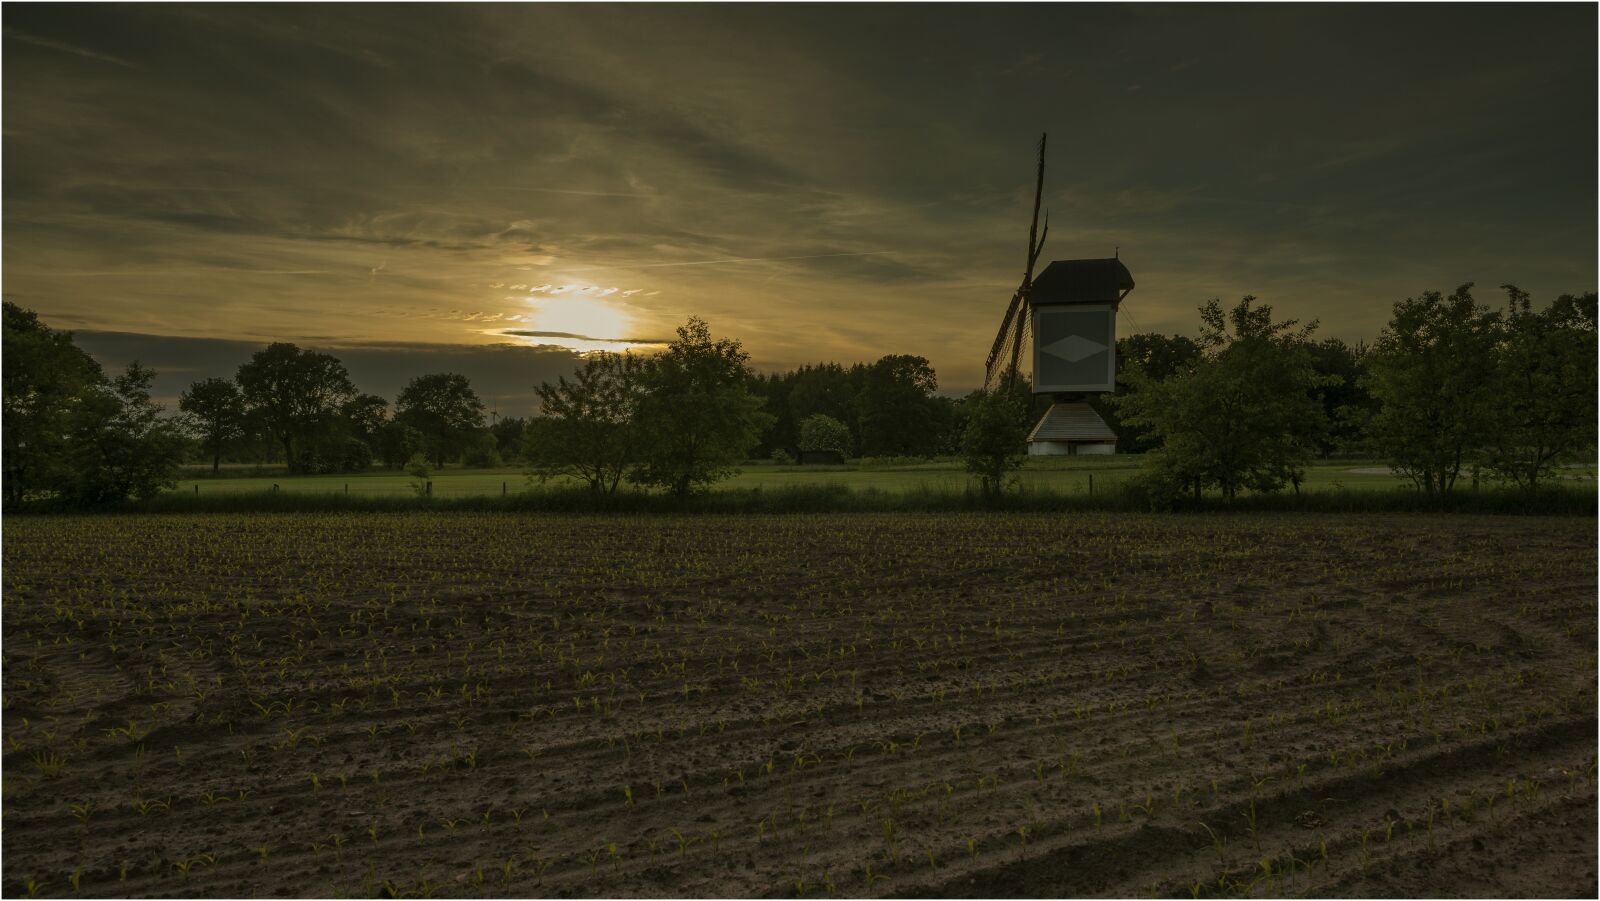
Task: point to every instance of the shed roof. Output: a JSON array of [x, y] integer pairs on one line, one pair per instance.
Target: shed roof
[[1072, 422], [1081, 281]]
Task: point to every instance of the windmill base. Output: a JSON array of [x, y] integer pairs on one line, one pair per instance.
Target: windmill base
[[1071, 429], [1069, 448]]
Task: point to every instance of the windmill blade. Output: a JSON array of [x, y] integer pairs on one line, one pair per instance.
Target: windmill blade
[[1005, 326], [1001, 367], [1035, 244], [1023, 322], [1004, 363]]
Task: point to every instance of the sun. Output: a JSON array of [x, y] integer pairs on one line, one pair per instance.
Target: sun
[[579, 320], [585, 316]]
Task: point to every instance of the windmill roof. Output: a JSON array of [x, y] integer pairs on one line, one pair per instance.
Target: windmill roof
[[1081, 281], [1072, 422]]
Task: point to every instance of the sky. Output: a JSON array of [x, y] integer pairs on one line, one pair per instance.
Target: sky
[[492, 189]]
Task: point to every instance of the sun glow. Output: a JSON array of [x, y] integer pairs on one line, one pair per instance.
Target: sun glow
[[584, 324]]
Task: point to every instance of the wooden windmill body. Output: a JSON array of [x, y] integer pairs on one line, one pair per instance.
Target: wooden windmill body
[[1059, 332]]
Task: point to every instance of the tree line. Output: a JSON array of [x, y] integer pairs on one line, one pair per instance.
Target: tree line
[[1450, 387]]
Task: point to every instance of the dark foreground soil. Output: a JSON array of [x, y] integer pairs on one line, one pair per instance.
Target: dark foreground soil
[[946, 705]]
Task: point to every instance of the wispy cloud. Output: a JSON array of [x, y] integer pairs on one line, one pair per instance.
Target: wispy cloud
[[73, 49], [813, 256]]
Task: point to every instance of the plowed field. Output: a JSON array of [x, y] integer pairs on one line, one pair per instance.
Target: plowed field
[[437, 704]]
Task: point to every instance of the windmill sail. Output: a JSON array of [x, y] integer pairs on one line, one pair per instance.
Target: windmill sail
[[1005, 356], [1006, 359]]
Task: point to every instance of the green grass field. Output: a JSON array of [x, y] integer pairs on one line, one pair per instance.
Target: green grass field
[[1060, 475]]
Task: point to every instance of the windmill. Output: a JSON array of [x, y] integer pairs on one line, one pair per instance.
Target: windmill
[[1067, 317]]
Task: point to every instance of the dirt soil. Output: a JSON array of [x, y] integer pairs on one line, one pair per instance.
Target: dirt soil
[[899, 705]]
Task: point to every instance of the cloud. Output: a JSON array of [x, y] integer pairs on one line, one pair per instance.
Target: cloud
[[822, 183], [528, 333], [70, 48]]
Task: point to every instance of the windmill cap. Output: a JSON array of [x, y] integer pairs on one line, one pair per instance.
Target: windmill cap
[[1081, 281]]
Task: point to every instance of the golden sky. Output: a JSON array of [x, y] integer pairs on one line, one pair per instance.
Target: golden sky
[[414, 184]]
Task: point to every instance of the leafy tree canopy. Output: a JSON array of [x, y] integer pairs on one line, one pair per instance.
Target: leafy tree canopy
[[1243, 416], [588, 427], [698, 417], [293, 392], [445, 409]]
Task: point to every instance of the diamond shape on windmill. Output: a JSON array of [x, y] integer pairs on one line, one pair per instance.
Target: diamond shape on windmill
[[1073, 348]]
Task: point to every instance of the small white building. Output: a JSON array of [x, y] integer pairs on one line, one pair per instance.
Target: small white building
[[1071, 428]]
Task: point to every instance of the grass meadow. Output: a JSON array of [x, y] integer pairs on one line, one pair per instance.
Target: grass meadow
[[1057, 475]]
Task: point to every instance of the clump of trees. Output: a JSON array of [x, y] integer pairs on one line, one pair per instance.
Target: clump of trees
[[75, 434], [889, 407], [301, 408], [1461, 386], [71, 432], [1450, 387], [1242, 415], [679, 420]]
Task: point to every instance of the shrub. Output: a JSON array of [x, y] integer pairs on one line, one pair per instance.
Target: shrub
[[820, 432]]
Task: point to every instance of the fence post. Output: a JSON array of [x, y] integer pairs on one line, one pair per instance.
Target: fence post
[[346, 487], [196, 487], [502, 489], [1091, 484], [274, 487], [430, 488]]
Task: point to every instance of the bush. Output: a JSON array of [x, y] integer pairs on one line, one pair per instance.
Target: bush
[[819, 432], [782, 457], [995, 439], [357, 456], [417, 468], [483, 452]]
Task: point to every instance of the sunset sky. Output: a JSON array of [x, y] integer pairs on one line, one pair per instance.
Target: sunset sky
[[485, 189]]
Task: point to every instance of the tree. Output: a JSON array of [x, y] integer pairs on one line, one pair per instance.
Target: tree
[[1544, 388], [398, 443], [895, 408], [782, 437], [366, 414], [697, 418], [995, 437], [445, 409], [820, 432], [482, 451], [829, 389], [121, 444], [1243, 417], [215, 410], [46, 378], [1155, 357], [507, 431], [294, 393], [588, 429], [1432, 373], [1345, 400]]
